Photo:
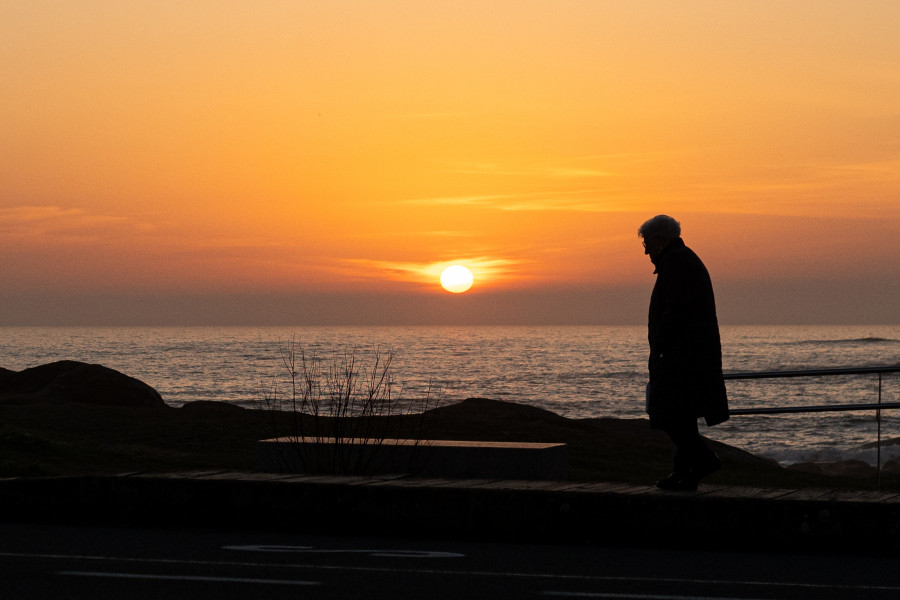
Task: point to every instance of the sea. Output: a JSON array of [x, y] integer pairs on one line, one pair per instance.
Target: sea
[[574, 371]]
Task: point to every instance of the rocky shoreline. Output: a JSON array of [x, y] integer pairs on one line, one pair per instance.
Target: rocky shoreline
[[69, 417]]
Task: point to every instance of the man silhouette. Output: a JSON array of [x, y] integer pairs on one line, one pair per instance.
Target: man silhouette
[[685, 353]]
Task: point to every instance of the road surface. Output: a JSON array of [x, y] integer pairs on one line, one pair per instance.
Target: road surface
[[39, 561]]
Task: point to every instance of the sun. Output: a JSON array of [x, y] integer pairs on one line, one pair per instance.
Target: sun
[[456, 279]]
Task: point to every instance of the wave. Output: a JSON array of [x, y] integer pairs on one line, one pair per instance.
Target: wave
[[851, 341], [793, 456]]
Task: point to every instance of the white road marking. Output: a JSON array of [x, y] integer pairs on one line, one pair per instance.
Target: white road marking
[[635, 596], [372, 552], [453, 572], [186, 578]]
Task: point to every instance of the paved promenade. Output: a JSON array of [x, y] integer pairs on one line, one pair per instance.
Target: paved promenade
[[713, 517]]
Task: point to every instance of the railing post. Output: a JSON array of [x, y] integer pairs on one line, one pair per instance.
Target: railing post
[[878, 419], [878, 407]]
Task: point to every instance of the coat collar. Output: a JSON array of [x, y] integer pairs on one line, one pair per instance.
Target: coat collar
[[676, 243]]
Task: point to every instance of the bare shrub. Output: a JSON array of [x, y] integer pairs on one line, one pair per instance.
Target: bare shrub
[[342, 414]]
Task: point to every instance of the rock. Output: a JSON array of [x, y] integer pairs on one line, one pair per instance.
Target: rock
[[891, 466], [496, 409], [841, 468], [73, 381], [849, 468], [884, 443], [806, 467], [209, 408]]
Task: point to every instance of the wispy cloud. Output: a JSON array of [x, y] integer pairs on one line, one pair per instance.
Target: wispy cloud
[[876, 169], [431, 115], [830, 188], [548, 172], [59, 222], [473, 200], [579, 201], [482, 267], [31, 214], [446, 233]]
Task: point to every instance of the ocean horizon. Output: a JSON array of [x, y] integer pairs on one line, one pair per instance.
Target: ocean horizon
[[573, 371]]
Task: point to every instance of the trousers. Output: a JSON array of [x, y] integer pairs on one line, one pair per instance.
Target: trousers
[[690, 450]]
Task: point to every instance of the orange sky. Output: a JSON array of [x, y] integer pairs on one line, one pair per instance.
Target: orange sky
[[321, 161]]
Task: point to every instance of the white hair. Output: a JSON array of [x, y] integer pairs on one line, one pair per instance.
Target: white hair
[[661, 226]]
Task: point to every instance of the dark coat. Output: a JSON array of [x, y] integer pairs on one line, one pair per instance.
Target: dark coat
[[685, 348]]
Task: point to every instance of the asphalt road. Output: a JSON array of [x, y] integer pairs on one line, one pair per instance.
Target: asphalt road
[[47, 562]]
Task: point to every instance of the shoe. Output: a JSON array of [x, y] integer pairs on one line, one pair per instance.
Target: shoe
[[677, 483], [688, 482], [706, 469], [692, 479]]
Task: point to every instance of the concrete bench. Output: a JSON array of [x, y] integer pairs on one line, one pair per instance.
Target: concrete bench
[[420, 458]]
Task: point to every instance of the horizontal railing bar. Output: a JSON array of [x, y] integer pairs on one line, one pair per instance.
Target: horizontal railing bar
[[812, 372], [879, 406], [807, 409]]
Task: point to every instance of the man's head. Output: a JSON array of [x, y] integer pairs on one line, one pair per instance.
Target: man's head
[[657, 233]]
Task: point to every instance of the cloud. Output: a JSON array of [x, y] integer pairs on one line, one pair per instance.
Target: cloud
[[888, 169], [55, 222], [483, 268], [432, 115], [549, 172], [31, 214], [447, 233], [814, 188], [473, 200], [576, 201]]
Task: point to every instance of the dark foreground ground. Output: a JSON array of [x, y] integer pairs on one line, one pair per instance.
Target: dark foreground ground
[[52, 438], [715, 517], [189, 467]]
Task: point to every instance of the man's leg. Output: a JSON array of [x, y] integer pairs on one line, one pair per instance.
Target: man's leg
[[693, 459]]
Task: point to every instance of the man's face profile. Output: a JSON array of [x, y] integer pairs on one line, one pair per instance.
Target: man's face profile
[[652, 245]]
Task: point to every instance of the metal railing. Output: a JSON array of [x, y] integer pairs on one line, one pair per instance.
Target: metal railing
[[877, 406]]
